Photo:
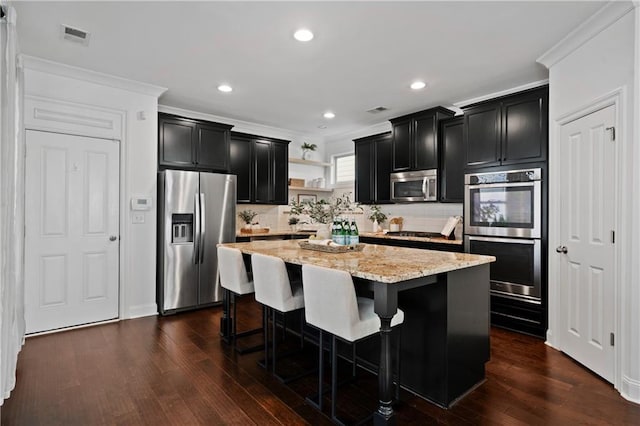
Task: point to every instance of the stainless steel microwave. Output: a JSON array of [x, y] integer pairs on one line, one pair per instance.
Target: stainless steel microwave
[[415, 186]]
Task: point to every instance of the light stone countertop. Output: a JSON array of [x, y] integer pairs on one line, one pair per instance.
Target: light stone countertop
[[380, 263]]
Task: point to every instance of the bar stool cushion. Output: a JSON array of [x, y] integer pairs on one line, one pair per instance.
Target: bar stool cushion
[[272, 285], [233, 274], [331, 304]]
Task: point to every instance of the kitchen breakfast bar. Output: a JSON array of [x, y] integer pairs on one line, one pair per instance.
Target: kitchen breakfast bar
[[445, 299]]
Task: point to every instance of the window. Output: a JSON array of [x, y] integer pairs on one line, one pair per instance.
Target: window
[[344, 168]]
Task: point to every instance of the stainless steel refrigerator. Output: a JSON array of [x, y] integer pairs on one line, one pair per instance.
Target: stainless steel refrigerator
[[196, 211]]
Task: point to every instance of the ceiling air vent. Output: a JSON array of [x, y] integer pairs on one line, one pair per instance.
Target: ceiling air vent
[[376, 110], [75, 34]]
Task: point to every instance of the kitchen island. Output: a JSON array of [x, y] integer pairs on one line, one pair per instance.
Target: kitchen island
[[445, 297]]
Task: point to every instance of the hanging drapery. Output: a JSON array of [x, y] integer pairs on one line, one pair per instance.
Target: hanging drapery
[[12, 325]]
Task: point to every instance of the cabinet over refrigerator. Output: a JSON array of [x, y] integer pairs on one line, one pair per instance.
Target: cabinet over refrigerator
[[196, 211]]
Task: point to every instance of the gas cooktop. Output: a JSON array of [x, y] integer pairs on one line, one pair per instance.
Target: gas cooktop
[[416, 234]]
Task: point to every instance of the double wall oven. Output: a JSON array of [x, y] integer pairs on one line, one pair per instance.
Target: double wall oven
[[503, 218]]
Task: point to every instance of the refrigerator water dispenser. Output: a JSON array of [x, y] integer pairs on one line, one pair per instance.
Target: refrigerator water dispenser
[[181, 228]]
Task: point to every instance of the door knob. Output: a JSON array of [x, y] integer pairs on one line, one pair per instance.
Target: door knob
[[561, 249], [113, 238]]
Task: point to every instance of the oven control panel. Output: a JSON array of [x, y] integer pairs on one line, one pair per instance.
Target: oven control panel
[[509, 176]]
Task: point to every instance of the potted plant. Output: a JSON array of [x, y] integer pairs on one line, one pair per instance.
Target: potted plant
[[323, 212], [306, 148], [377, 217], [247, 217], [293, 222]]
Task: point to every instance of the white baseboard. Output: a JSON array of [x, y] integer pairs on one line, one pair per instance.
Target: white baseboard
[[142, 311], [630, 389]]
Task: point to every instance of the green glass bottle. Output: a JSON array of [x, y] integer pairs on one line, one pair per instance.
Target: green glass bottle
[[354, 235]]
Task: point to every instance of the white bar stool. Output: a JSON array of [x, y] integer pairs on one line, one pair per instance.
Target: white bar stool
[[235, 282], [332, 306], [274, 291]]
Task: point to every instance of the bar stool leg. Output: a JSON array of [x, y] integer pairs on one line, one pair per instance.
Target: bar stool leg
[[284, 326], [274, 339], [265, 326], [233, 321], [334, 377], [301, 328], [398, 364], [353, 364]]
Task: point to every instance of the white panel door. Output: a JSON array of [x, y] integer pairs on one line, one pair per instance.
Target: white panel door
[[586, 225], [72, 230]]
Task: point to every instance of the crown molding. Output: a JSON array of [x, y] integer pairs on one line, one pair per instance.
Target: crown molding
[[598, 22], [240, 125], [63, 70], [501, 93]]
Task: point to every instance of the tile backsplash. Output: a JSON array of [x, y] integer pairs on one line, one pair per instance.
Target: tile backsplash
[[429, 217]]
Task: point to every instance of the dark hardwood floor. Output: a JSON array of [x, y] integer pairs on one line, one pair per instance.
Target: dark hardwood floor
[[176, 370]]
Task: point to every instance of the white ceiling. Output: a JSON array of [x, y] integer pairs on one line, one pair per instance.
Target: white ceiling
[[364, 55]]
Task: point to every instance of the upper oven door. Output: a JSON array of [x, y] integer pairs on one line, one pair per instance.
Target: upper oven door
[[503, 209]]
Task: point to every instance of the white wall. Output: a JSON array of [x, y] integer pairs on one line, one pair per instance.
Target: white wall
[[139, 143], [577, 77]]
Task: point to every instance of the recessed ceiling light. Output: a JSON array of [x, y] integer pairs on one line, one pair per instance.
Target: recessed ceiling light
[[225, 88], [303, 34], [329, 114], [417, 85]]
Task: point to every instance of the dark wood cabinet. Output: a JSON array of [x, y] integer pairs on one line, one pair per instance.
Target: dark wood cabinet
[[373, 166], [213, 147], [280, 172], [413, 244], [240, 164], [189, 144], [415, 139], [451, 177], [176, 141], [508, 130], [262, 167]]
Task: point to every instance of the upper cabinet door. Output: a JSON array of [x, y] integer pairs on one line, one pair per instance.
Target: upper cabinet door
[[364, 172], [280, 164], [176, 142], [382, 188], [240, 153], [482, 136], [426, 148], [262, 172], [402, 151], [213, 148], [452, 161], [525, 128]]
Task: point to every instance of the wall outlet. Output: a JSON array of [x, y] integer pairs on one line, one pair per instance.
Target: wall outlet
[[137, 218]]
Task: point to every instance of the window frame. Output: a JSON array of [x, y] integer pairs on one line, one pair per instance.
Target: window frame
[[334, 169]]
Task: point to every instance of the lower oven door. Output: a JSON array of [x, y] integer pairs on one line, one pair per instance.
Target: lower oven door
[[516, 273]]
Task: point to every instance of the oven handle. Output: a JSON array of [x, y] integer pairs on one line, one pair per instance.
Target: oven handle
[[502, 185], [424, 188], [503, 240]]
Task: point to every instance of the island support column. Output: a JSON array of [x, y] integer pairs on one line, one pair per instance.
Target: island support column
[[386, 306]]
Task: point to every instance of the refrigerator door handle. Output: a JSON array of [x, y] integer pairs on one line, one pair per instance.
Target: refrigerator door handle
[[196, 231], [203, 226]]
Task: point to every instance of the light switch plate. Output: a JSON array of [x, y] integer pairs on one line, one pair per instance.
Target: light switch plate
[[137, 218]]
